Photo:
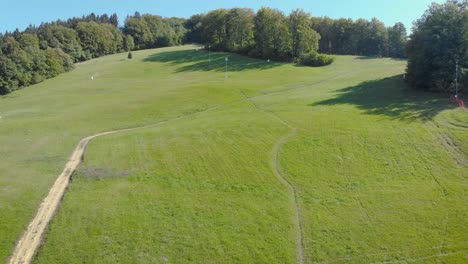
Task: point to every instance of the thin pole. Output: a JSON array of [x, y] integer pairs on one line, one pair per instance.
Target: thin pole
[[456, 79], [225, 75], [209, 55]]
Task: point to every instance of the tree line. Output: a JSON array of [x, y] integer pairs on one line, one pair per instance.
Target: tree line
[[150, 31], [439, 39], [360, 37], [43, 52], [271, 34]]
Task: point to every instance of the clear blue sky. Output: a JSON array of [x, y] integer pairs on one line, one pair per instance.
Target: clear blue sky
[[21, 13]]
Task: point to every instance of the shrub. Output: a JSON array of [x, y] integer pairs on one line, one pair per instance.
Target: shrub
[[315, 59], [130, 56]]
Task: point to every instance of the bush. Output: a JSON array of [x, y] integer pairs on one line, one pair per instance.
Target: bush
[[315, 59], [130, 56], [4, 88]]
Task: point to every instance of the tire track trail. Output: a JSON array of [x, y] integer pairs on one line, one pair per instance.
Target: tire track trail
[[31, 239], [457, 154], [277, 170]]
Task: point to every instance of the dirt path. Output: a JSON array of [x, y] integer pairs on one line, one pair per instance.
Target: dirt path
[[32, 237], [297, 216]]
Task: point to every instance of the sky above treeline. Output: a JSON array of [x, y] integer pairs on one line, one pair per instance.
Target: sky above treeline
[[21, 13]]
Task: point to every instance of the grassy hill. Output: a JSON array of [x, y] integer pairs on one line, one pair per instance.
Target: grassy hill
[[379, 172]]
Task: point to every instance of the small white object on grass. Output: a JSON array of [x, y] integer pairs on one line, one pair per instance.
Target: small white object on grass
[[268, 60], [92, 77]]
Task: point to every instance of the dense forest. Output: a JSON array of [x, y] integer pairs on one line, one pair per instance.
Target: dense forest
[[269, 33], [45, 51], [439, 42], [439, 39]]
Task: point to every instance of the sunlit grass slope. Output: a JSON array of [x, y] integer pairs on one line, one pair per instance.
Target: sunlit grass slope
[[40, 125], [379, 171]]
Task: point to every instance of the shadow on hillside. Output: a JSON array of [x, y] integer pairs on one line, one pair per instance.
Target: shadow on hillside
[[198, 60], [377, 57], [391, 97]]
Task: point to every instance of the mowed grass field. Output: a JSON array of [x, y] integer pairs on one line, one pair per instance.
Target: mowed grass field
[[379, 171]]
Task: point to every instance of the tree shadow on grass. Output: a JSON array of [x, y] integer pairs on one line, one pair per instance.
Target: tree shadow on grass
[[377, 57], [199, 60], [393, 98]]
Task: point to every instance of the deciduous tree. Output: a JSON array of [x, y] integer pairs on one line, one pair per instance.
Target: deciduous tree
[[439, 39]]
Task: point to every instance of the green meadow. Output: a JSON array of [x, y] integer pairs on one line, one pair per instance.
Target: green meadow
[[379, 171]]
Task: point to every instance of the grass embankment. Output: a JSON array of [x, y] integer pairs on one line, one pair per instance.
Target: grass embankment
[[375, 177]]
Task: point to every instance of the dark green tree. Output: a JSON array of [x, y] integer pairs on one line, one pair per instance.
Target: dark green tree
[[438, 41], [377, 41], [397, 39], [194, 29], [8, 71], [114, 20], [363, 34], [343, 41]]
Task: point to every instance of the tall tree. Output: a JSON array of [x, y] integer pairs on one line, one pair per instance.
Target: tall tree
[[438, 41], [324, 26], [239, 28], [139, 30], [303, 38], [344, 37], [362, 33], [155, 36], [397, 39], [114, 20], [195, 29], [378, 38], [214, 28], [272, 35], [8, 71], [99, 39], [57, 36]]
